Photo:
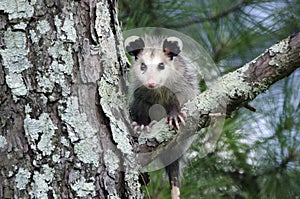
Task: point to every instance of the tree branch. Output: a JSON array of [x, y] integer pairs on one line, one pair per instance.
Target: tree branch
[[232, 91]]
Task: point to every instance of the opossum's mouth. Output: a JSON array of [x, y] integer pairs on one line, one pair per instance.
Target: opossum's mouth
[[153, 86]]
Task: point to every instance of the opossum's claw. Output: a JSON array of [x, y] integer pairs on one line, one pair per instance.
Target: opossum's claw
[[153, 122], [136, 127], [183, 114], [175, 118], [176, 122], [170, 119], [181, 119]]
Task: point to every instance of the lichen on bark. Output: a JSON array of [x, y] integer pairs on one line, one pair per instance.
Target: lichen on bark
[[15, 61]]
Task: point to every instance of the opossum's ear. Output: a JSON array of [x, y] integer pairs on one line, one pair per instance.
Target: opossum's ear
[[172, 46], [134, 45]]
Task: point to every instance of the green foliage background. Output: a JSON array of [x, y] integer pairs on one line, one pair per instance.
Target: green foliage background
[[257, 154]]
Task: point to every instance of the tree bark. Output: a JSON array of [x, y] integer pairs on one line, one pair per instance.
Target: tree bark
[[64, 124], [55, 140]]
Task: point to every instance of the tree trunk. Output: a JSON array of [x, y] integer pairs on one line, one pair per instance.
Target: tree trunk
[[55, 140], [64, 124]]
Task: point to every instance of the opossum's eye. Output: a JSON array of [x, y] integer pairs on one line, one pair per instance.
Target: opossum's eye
[[161, 66], [143, 67]]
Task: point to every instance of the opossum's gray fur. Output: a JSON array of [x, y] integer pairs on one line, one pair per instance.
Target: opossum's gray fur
[[175, 83], [181, 82]]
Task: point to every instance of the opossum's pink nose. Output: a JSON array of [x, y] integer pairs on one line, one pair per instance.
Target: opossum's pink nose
[[151, 84]]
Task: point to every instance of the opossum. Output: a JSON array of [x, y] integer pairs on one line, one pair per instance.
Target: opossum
[[161, 81]]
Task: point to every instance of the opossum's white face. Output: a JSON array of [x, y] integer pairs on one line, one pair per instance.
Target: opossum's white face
[[155, 60], [153, 68]]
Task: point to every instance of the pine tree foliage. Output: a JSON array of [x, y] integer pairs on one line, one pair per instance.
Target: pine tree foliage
[[257, 154]]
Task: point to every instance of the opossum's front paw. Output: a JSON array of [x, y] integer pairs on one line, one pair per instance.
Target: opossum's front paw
[[174, 118], [136, 127]]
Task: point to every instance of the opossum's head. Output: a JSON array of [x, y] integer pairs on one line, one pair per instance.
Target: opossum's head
[[155, 59]]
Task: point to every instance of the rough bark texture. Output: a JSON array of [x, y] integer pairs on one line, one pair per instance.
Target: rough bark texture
[[55, 140], [64, 124]]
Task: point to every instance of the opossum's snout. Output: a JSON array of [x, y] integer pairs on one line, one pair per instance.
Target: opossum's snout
[[151, 81], [151, 78], [151, 84]]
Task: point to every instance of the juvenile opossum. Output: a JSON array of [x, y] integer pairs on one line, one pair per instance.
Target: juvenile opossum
[[161, 81]]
